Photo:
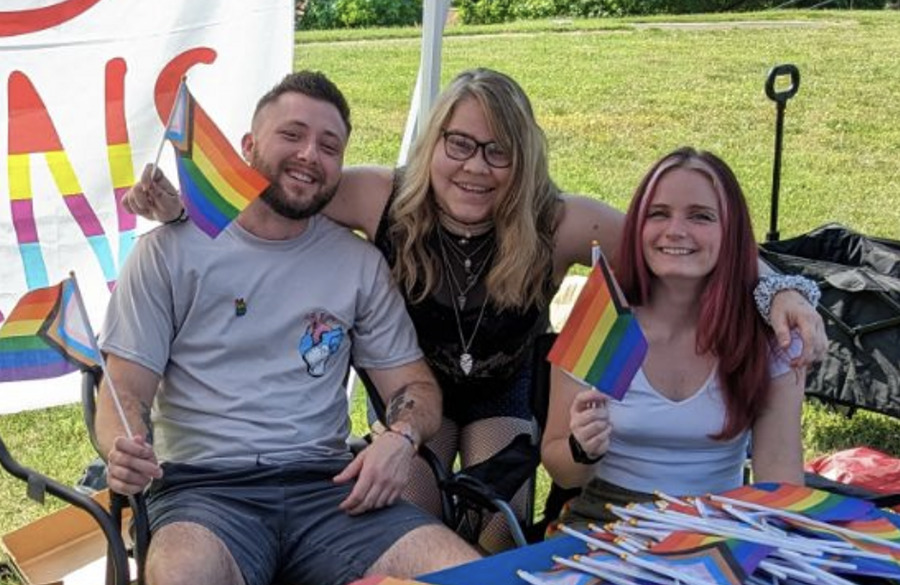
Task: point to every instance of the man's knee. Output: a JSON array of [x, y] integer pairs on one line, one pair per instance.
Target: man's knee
[[184, 553], [424, 550]]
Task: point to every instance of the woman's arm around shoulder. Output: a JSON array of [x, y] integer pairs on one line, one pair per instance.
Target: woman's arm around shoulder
[[777, 453], [361, 197], [582, 221]]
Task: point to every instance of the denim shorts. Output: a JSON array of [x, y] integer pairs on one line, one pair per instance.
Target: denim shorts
[[281, 523]]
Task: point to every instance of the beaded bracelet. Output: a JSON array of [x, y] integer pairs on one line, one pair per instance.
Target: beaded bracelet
[[771, 284], [406, 435]]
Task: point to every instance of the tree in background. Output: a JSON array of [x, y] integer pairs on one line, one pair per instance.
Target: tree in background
[[325, 14], [494, 11]]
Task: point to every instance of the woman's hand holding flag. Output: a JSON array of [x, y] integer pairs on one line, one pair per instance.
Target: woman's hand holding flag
[[589, 422]]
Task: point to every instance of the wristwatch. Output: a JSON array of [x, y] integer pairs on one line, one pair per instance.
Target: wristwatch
[[578, 453]]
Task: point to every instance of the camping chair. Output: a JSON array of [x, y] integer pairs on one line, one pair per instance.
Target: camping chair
[[140, 528], [109, 521], [558, 496], [140, 523], [469, 495]]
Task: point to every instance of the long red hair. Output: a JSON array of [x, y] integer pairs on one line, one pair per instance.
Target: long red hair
[[729, 326]]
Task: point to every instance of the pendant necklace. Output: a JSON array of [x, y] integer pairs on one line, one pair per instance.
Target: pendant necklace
[[463, 257], [471, 279], [466, 361]]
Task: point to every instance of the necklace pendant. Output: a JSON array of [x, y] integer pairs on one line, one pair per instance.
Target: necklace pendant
[[467, 264], [461, 299], [466, 362]]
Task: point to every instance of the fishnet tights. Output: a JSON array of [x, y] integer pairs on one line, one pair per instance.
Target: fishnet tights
[[473, 444]]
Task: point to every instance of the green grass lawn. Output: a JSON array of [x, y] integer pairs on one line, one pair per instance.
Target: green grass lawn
[[613, 100], [613, 95]]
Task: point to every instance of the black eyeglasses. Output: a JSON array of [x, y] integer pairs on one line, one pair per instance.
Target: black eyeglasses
[[463, 147]]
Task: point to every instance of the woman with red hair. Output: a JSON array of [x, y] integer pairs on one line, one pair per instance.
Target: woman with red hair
[[714, 381]]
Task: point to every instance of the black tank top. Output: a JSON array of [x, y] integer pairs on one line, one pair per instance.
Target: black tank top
[[502, 344]]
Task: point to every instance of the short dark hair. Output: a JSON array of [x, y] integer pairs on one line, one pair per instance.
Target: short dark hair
[[312, 84]]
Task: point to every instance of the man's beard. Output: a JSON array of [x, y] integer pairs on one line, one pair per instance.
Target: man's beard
[[275, 197]]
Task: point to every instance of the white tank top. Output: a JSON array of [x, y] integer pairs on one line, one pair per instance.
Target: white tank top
[[660, 444]]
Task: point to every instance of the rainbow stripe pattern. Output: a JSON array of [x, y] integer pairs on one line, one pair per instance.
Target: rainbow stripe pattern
[[118, 152], [46, 335], [817, 504], [216, 183], [31, 133], [726, 561], [601, 342]]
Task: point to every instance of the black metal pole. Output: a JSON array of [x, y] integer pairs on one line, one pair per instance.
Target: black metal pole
[[773, 234], [780, 98]]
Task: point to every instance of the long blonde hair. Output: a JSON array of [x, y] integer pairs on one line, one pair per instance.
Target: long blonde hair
[[524, 218]]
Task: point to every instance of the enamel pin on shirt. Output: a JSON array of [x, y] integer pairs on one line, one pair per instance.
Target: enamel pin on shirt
[[240, 307]]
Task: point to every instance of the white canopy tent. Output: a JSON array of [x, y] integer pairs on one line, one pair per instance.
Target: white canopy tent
[[434, 15], [428, 82]]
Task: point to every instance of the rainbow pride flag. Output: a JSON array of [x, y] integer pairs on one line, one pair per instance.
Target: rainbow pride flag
[[216, 183], [601, 342], [726, 561], [47, 335], [817, 504]]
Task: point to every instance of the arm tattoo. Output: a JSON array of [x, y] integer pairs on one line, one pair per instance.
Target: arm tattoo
[[145, 418], [399, 404]]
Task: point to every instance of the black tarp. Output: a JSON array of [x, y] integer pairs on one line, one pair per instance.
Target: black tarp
[[860, 281]]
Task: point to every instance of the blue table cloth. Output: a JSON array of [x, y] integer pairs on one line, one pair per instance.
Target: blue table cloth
[[501, 569]]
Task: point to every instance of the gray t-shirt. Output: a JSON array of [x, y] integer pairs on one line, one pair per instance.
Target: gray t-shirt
[[253, 338]]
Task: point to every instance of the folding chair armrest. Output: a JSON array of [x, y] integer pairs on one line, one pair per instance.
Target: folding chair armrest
[[356, 444], [39, 485], [90, 384], [140, 533], [441, 475], [473, 490]]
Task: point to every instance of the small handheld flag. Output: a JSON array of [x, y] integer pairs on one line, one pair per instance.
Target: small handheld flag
[[46, 335], [601, 342], [216, 183]]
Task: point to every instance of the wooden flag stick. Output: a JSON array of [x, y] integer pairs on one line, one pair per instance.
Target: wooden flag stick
[[90, 334], [181, 87], [624, 569]]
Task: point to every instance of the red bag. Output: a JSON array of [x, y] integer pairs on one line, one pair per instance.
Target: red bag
[[862, 467]]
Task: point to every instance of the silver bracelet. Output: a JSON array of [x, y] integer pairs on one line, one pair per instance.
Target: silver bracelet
[[772, 284]]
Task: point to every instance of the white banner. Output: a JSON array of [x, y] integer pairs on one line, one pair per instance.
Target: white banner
[[86, 87]]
